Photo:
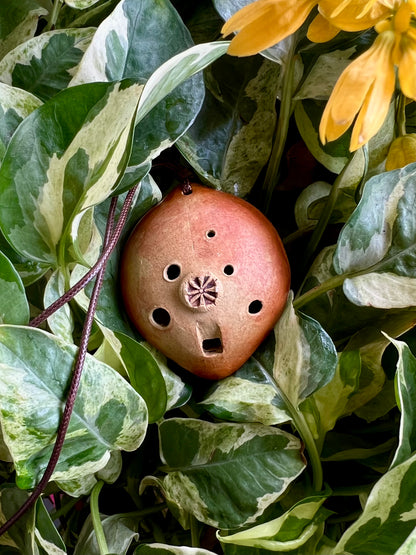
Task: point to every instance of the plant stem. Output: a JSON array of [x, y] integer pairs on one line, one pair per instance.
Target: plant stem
[[305, 433], [401, 116], [320, 289], [324, 217], [286, 108], [194, 531], [54, 15], [96, 520]]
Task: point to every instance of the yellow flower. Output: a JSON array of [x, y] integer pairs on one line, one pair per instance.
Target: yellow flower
[[402, 151], [265, 23], [355, 15], [365, 88]]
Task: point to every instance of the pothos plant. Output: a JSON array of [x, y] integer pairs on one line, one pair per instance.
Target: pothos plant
[[107, 447]]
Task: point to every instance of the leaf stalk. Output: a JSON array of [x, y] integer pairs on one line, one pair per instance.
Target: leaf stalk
[[96, 520]]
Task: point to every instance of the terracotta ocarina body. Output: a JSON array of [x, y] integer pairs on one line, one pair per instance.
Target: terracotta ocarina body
[[204, 279]]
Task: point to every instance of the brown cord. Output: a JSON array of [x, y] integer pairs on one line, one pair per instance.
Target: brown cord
[[98, 270]]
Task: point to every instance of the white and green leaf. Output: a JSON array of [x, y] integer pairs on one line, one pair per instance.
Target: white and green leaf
[[15, 106], [305, 358], [389, 515], [44, 65], [251, 465], [61, 322], [119, 530], [14, 307], [288, 532], [45, 186], [249, 395], [18, 22], [35, 371], [405, 392], [133, 359], [378, 243], [127, 45], [230, 141], [163, 549]]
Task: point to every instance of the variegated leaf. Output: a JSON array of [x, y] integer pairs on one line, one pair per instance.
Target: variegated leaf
[[163, 549], [83, 484], [380, 235], [249, 395], [61, 322], [18, 22], [44, 65], [381, 290], [224, 474], [405, 392], [15, 106], [133, 359], [329, 403], [312, 201], [409, 546], [305, 357], [14, 307], [127, 45], [389, 515], [335, 154], [286, 533], [230, 141], [35, 371], [21, 535], [80, 4], [46, 534], [119, 530], [46, 185]]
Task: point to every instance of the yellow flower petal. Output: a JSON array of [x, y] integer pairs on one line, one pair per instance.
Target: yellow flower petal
[[265, 23], [407, 68], [365, 87], [354, 15], [402, 151], [321, 30], [374, 109]]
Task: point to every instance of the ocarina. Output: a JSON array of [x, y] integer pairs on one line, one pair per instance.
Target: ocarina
[[204, 278]]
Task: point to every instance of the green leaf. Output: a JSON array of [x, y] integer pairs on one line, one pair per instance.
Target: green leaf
[[388, 517], [35, 371], [44, 64], [18, 22], [288, 532], [405, 393], [120, 531], [14, 308], [15, 106], [249, 395], [163, 549], [230, 141], [305, 358], [378, 243], [55, 168], [251, 466]]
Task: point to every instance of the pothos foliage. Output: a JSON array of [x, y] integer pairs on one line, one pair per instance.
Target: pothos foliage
[[309, 448]]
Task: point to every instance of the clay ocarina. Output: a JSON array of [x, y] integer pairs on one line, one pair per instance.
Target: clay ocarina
[[204, 278]]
